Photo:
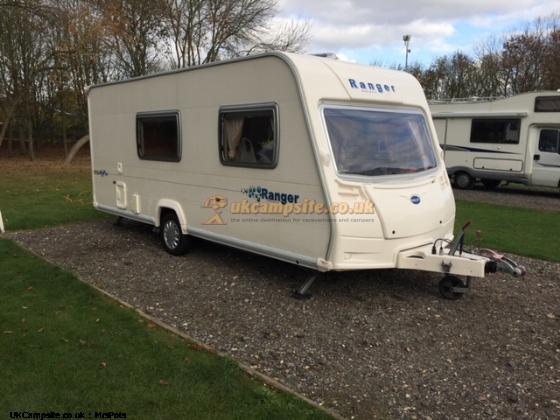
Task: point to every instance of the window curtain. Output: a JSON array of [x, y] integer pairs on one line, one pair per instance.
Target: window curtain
[[233, 127], [338, 129], [420, 139]]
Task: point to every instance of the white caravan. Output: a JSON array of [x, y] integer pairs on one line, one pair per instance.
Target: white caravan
[[325, 164], [516, 139]]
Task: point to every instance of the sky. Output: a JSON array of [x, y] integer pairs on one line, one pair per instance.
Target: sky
[[371, 31]]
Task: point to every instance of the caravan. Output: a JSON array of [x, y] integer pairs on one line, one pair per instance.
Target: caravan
[[516, 139], [321, 163]]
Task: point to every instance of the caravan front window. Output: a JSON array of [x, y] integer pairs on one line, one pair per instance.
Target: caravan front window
[[375, 142]]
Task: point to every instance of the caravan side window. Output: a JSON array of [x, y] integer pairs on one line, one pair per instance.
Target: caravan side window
[[549, 141], [158, 136], [249, 136], [547, 104], [495, 130]]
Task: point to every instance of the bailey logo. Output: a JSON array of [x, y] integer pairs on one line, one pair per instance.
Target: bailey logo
[[415, 199]]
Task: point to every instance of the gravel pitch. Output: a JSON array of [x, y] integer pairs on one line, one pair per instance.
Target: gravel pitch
[[379, 344]]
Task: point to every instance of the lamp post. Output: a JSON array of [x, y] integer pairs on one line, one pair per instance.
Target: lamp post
[[406, 40]]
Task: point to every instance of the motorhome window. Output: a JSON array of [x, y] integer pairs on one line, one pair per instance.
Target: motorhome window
[[375, 142], [499, 130], [547, 104], [549, 141], [157, 137], [248, 137]]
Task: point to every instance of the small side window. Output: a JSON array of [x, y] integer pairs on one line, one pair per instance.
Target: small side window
[[547, 104], [249, 136], [549, 141], [158, 136]]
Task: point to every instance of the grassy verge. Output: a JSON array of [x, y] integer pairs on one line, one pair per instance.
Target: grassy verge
[[66, 348], [39, 199], [520, 231]]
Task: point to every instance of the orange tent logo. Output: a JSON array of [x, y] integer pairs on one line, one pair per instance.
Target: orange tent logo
[[215, 203]]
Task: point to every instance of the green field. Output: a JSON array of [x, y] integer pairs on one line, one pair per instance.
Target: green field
[[66, 348], [514, 230]]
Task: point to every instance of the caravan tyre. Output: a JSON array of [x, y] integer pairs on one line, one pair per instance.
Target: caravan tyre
[[173, 239], [447, 284], [463, 181]]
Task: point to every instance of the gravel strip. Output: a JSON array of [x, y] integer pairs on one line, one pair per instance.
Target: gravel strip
[[366, 345]]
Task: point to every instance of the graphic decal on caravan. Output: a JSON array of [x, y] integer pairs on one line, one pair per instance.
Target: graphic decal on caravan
[[306, 207], [100, 172], [370, 86], [215, 203], [259, 193]]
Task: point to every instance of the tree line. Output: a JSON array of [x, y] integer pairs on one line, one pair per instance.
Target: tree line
[[51, 50], [524, 60]]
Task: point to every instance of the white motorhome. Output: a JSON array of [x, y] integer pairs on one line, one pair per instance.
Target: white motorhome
[[516, 139], [325, 164]]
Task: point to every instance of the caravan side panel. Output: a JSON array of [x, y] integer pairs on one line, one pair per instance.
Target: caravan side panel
[[127, 185]]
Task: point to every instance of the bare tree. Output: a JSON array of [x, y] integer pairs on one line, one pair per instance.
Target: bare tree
[[551, 74], [450, 77], [203, 31], [135, 35], [489, 61], [525, 60], [288, 36], [23, 57], [522, 61], [81, 56], [186, 27]]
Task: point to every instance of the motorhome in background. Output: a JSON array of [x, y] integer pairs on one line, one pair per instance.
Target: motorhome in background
[[514, 139], [321, 163]]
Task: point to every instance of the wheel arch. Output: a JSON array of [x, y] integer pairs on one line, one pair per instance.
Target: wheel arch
[[452, 171], [165, 206]]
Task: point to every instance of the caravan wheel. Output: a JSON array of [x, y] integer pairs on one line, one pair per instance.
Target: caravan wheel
[[173, 239], [448, 283], [463, 181]]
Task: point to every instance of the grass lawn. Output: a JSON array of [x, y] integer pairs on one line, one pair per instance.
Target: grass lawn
[[66, 348], [519, 231], [44, 193]]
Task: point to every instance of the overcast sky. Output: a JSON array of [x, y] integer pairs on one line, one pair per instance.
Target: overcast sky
[[371, 31]]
